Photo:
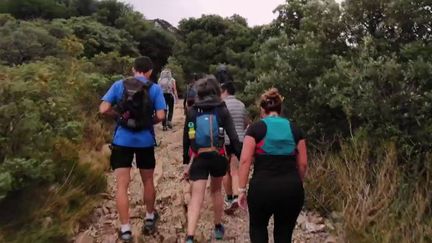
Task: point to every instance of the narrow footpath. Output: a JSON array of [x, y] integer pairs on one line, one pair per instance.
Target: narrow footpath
[[171, 200]]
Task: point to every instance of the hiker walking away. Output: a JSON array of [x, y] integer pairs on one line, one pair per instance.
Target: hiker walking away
[[203, 152], [238, 113], [136, 103], [168, 85], [276, 187], [190, 94], [222, 74]]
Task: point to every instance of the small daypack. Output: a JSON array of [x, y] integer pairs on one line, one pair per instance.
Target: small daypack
[[166, 82], [279, 139], [206, 133], [136, 107], [166, 85]]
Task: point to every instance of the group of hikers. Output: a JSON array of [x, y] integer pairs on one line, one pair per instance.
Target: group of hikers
[[219, 142]]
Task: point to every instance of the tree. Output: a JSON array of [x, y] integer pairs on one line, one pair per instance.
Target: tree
[[109, 11], [157, 45], [24, 41], [30, 9], [98, 38], [211, 40]]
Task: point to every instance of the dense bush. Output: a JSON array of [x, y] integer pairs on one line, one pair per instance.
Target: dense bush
[[44, 111], [15, 47]]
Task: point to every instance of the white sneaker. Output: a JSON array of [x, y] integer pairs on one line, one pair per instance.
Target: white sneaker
[[227, 202]]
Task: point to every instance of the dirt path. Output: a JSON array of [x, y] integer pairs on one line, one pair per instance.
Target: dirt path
[[172, 195]]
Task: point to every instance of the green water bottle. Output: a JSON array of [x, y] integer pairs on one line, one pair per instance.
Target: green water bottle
[[191, 132]]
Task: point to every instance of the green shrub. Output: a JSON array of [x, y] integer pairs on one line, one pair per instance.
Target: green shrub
[[45, 109], [15, 47]]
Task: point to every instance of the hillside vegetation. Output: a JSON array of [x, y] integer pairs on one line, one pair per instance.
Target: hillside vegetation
[[356, 77]]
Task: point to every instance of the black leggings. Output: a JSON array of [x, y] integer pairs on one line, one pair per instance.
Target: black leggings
[[169, 99], [281, 197]]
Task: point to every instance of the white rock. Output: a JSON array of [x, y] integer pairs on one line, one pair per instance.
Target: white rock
[[301, 220], [84, 238], [314, 228], [330, 239]]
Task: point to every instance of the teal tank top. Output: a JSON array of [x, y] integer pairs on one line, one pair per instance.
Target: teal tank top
[[279, 139]]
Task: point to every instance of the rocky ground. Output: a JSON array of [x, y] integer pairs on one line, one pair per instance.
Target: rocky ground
[[172, 196]]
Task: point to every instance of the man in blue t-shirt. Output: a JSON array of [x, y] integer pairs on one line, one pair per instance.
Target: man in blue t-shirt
[[127, 143]]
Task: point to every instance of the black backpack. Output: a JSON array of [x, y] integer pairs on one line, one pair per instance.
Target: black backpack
[[136, 107]]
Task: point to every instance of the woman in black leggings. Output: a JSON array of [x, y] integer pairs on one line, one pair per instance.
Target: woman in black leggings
[[276, 187]]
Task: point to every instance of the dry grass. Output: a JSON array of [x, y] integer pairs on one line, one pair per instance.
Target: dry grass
[[377, 200]]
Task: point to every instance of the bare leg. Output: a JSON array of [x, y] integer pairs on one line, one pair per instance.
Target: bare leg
[[217, 198], [227, 183], [123, 179], [197, 198], [149, 190], [234, 167]]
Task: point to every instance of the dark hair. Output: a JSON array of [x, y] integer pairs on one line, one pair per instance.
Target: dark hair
[[195, 77], [223, 76], [143, 64], [271, 100], [229, 87], [207, 86]]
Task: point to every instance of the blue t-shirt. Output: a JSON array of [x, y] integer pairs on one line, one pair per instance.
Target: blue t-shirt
[[125, 137]]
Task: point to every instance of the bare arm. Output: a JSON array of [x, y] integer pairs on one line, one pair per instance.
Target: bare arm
[[302, 158], [159, 116], [175, 90], [246, 160], [105, 108]]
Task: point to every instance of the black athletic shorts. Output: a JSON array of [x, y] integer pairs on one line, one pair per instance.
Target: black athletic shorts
[[207, 164], [122, 157]]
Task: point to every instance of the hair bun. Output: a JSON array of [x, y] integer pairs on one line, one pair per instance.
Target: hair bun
[[271, 100]]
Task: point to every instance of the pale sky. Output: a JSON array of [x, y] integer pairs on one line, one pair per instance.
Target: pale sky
[[257, 12]]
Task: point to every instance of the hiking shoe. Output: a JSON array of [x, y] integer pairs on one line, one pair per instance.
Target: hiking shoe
[[232, 206], [188, 240], [219, 232], [125, 236], [227, 202], [150, 225]]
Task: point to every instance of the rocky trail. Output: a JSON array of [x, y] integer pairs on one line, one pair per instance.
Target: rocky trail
[[171, 199]]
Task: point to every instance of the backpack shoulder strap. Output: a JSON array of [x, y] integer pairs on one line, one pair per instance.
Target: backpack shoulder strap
[[148, 84], [218, 117]]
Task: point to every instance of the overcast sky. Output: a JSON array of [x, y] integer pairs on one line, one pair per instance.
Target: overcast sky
[[257, 12]]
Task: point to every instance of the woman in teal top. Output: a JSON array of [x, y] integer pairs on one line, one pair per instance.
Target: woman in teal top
[[276, 187]]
